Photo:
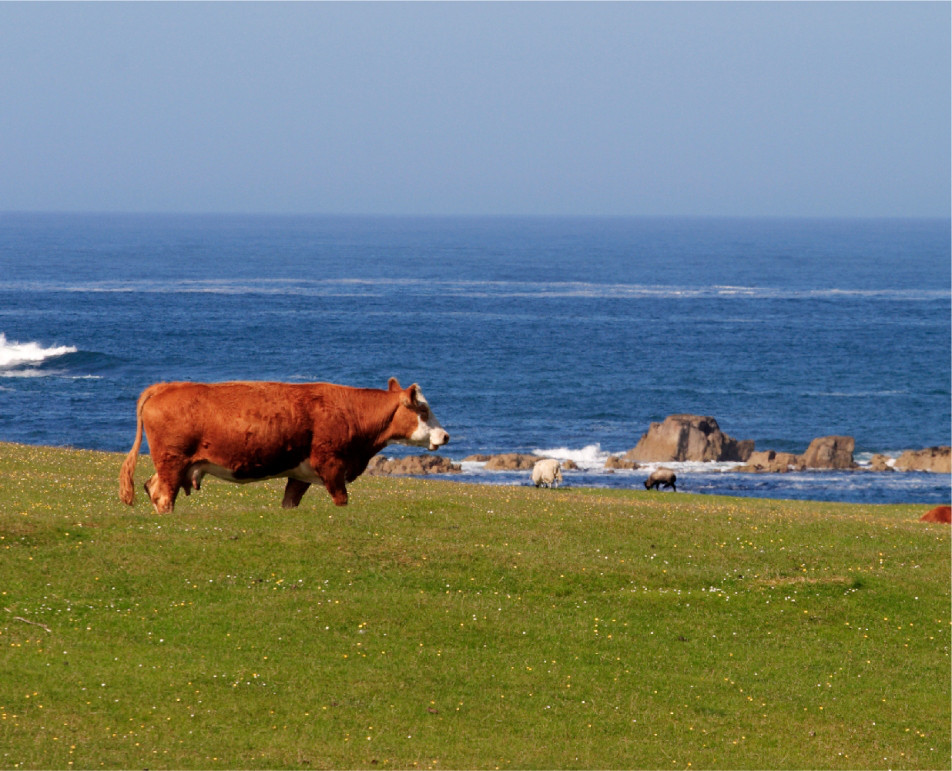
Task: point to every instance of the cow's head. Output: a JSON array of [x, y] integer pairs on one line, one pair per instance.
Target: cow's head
[[414, 422]]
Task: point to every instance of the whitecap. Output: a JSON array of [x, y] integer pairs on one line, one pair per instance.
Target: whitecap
[[691, 467], [25, 373], [589, 458], [346, 287], [854, 394], [16, 354]]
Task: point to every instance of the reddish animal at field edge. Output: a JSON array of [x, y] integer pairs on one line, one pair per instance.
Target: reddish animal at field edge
[[247, 431], [938, 514]]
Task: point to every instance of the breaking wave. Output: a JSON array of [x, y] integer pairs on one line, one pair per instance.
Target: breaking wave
[[15, 357], [591, 457]]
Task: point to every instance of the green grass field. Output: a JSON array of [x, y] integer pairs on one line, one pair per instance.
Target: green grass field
[[443, 625]]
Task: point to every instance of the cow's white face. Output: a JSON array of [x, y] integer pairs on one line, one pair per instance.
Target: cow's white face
[[427, 432]]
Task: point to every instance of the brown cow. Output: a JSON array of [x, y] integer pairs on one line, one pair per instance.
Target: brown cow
[[243, 432], [941, 514]]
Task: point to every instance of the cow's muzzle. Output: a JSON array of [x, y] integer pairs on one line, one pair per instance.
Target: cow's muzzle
[[438, 438]]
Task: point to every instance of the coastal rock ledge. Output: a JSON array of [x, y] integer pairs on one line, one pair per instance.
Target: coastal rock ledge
[[830, 452], [412, 465], [688, 438], [824, 452], [769, 461], [935, 459]]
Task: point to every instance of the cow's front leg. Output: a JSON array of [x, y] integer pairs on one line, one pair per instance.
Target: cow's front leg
[[338, 490], [333, 473], [293, 492], [335, 480]]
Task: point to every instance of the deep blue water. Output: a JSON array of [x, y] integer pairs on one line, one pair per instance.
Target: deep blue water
[[566, 335]]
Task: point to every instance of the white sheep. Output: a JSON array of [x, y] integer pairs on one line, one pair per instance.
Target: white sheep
[[547, 473]]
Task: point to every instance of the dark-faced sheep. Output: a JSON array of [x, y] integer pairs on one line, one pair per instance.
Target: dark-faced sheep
[[662, 477]]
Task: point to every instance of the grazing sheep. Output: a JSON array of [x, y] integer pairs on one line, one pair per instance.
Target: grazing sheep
[[547, 473], [662, 477]]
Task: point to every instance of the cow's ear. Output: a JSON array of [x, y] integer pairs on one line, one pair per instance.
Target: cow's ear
[[411, 397], [393, 385]]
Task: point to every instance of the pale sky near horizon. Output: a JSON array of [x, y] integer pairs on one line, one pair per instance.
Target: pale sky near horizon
[[622, 108]]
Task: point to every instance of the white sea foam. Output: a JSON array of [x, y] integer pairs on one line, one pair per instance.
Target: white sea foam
[[854, 394], [589, 458], [461, 288], [57, 373], [592, 457], [16, 354], [691, 467], [26, 373]]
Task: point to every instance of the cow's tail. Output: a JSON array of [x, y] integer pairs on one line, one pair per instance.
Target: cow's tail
[[127, 490]]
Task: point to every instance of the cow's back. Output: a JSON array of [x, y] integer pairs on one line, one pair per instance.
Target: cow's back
[[248, 427], [941, 514]]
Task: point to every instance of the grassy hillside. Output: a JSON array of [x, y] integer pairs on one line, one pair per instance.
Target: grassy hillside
[[440, 625]]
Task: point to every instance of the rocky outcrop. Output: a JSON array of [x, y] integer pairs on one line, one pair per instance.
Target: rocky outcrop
[[412, 465], [830, 452], [768, 461], [615, 463], [836, 452], [824, 452], [688, 438], [935, 459], [511, 461]]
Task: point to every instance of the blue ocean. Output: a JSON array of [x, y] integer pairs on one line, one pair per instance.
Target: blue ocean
[[565, 337]]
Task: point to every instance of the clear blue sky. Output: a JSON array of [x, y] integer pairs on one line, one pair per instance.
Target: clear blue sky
[[634, 108]]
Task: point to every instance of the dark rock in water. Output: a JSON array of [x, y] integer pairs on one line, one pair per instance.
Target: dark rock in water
[[831, 452], [689, 438], [935, 459], [412, 465]]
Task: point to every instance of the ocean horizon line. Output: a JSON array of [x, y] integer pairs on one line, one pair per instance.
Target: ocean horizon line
[[498, 216]]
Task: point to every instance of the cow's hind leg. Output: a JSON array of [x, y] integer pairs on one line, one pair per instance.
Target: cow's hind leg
[[293, 492], [148, 486], [164, 485], [161, 493]]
